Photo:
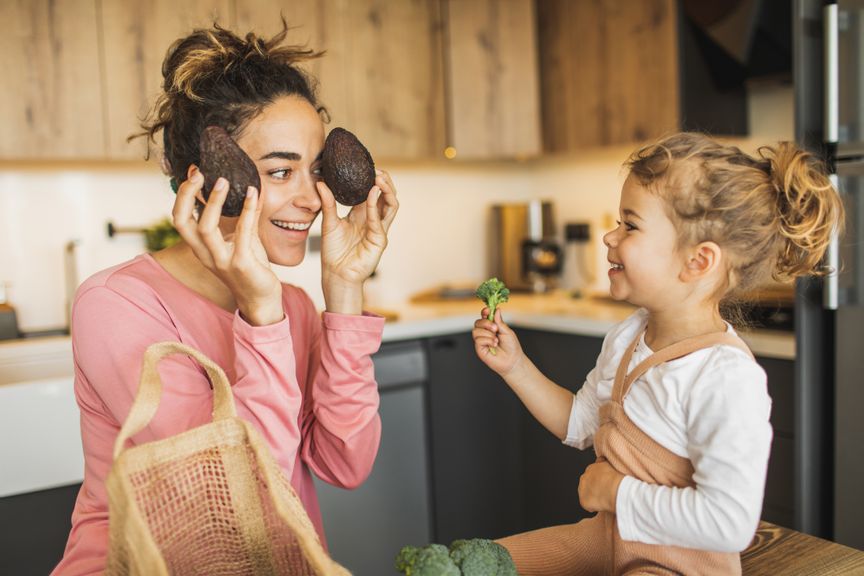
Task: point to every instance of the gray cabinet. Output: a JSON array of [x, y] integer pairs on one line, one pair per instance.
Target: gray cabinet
[[476, 426], [367, 526], [551, 469]]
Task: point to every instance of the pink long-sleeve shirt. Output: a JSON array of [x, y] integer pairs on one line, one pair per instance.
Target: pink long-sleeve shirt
[[306, 383]]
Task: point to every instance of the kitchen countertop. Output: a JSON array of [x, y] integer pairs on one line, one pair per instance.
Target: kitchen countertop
[[554, 312], [423, 317]]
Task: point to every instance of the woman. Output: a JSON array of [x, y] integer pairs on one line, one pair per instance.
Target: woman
[[305, 381]]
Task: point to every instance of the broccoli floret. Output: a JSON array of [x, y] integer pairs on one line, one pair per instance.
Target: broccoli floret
[[493, 292], [430, 560], [481, 557], [406, 557], [475, 557]]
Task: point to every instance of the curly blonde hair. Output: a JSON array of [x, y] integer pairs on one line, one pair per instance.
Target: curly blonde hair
[[773, 214], [215, 77]]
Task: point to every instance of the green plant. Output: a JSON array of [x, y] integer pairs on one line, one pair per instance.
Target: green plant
[[160, 235]]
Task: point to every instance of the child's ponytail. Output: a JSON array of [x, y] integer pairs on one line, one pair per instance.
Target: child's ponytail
[[808, 206]]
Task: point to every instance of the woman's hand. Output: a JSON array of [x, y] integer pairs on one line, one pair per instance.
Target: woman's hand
[[497, 335], [239, 259], [351, 247], [598, 487]]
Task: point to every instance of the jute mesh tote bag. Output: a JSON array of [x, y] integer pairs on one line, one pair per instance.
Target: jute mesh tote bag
[[211, 500]]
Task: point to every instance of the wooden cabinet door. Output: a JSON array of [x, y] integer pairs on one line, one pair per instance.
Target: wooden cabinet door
[[609, 72], [315, 24], [51, 96], [137, 36], [381, 76], [493, 86]]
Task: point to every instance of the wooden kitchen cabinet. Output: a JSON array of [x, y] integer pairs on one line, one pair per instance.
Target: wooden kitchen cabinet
[[51, 99], [137, 36], [382, 74], [608, 71], [493, 91]]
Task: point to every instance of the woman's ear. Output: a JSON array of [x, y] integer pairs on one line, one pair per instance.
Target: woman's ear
[[703, 260], [200, 194]]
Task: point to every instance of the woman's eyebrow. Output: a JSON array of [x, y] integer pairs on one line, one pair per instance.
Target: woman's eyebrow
[[281, 155], [631, 213]]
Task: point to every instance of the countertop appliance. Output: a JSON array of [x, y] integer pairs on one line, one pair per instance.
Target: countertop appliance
[[829, 119], [523, 249]]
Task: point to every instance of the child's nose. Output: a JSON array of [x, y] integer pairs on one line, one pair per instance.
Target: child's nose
[[609, 239]]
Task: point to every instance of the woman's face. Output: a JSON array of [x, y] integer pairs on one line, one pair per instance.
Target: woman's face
[[285, 142]]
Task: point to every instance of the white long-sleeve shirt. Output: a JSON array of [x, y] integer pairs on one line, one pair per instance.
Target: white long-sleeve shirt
[[712, 407]]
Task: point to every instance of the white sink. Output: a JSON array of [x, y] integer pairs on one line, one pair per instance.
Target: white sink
[[35, 359], [40, 437]]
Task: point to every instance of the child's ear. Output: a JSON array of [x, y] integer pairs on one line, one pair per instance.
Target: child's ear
[[702, 261]]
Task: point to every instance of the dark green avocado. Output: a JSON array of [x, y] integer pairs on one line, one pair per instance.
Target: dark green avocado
[[221, 156], [347, 167]]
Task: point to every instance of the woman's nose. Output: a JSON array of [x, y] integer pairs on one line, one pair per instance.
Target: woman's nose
[[308, 197]]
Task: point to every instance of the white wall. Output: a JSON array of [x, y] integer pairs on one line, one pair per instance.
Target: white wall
[[438, 237]]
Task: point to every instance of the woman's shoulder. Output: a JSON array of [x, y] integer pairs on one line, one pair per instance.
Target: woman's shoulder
[[126, 278]]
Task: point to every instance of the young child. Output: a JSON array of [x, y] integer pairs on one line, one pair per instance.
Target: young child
[[676, 408]]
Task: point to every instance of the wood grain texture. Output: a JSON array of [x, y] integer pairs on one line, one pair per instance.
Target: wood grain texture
[[137, 36], [395, 76], [317, 25], [777, 550], [51, 98], [493, 78], [608, 70], [382, 74]]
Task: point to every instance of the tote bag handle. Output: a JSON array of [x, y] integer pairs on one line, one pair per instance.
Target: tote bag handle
[[150, 390]]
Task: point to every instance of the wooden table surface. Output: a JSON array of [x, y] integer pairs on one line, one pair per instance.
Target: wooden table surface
[[778, 551]]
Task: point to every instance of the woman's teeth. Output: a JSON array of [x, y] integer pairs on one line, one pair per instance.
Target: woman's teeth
[[617, 266], [292, 225]]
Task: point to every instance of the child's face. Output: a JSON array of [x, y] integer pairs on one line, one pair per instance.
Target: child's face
[[642, 250], [285, 142]]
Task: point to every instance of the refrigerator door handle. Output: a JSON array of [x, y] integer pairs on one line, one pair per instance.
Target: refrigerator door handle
[[831, 281], [831, 288]]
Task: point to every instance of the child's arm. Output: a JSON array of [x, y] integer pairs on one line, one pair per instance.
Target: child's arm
[[729, 437], [548, 402]]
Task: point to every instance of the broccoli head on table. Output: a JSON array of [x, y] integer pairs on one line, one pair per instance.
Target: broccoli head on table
[[475, 557]]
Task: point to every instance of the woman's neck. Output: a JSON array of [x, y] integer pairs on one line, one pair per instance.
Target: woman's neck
[[678, 323], [181, 263]]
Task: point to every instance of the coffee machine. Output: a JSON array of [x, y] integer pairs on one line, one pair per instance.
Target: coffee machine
[[523, 249]]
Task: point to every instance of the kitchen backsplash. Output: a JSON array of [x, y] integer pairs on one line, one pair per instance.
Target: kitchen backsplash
[[439, 236]]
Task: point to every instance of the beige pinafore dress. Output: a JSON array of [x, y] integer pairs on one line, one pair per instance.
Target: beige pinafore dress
[[593, 546]]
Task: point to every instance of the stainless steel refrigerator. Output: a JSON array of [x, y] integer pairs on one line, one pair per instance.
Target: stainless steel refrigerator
[[829, 380]]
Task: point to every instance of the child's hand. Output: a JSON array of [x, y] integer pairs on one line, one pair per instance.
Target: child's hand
[[598, 487], [496, 335]]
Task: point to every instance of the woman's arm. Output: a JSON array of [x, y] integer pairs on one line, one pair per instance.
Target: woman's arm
[[341, 429]]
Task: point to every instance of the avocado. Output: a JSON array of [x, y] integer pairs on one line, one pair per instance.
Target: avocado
[[221, 156], [347, 167]]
